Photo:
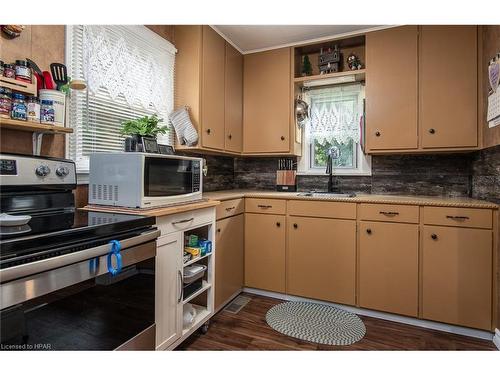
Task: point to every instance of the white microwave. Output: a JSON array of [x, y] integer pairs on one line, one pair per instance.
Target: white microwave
[[142, 180]]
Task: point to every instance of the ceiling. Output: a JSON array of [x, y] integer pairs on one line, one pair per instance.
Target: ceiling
[[253, 38]]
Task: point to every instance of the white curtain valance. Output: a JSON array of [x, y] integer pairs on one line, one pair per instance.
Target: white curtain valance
[[129, 61], [334, 113]]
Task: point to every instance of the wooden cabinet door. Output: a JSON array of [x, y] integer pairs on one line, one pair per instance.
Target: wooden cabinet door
[[448, 86], [388, 267], [265, 252], [234, 100], [457, 276], [391, 89], [228, 259], [168, 307], [212, 89], [266, 101], [319, 267]]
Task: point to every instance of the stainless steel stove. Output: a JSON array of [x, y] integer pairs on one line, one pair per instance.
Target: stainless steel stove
[[70, 279]]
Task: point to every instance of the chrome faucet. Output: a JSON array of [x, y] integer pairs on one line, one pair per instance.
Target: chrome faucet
[[332, 154]]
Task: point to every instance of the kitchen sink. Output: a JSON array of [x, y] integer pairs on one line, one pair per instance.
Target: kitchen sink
[[326, 194]]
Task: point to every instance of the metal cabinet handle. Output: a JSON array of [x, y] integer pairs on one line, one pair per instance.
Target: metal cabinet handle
[[377, 134], [218, 230], [457, 217], [389, 213], [282, 138], [432, 131], [183, 221], [208, 131], [369, 231], [295, 225], [230, 136], [181, 289], [278, 224], [264, 206], [230, 208], [434, 236]]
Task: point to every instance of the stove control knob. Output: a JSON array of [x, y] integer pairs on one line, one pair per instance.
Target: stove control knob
[[62, 171], [42, 171]]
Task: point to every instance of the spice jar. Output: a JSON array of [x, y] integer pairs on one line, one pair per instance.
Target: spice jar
[[19, 109], [5, 102], [47, 114], [9, 71], [23, 71], [1, 68], [33, 109]]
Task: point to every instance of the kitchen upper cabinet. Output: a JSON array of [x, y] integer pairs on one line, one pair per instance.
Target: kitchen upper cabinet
[[233, 100], [388, 267], [391, 89], [265, 252], [457, 276], [208, 80], [319, 267], [229, 260], [448, 86], [267, 104], [169, 289], [213, 89]]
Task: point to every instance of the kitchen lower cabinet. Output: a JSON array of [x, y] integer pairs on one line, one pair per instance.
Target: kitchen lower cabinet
[[265, 252], [321, 259], [457, 276], [168, 289], [388, 267], [229, 260]]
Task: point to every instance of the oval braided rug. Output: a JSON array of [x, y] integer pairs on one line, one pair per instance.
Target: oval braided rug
[[316, 323]]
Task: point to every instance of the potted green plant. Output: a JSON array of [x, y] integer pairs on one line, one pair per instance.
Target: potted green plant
[[143, 127]]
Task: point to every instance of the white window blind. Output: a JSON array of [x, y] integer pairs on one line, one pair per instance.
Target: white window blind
[[129, 72]]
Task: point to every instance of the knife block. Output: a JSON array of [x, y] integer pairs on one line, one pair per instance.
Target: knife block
[[286, 180]]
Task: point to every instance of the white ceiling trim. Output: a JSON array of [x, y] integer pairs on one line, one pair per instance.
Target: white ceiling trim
[[302, 42]]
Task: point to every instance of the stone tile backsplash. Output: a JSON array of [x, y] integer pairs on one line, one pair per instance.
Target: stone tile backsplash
[[454, 175]]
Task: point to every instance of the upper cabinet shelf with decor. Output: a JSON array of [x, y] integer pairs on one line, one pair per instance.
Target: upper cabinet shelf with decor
[[333, 58]]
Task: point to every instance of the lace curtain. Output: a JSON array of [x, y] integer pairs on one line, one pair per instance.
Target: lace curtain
[[334, 113], [126, 62]]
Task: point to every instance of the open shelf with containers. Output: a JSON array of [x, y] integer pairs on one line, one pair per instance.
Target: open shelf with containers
[[198, 295]]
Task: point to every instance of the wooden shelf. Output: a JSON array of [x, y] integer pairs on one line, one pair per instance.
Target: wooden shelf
[[196, 259], [33, 127], [359, 75], [205, 286], [19, 86]]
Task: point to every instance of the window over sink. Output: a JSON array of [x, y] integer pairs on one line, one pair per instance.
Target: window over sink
[[334, 124], [129, 72]]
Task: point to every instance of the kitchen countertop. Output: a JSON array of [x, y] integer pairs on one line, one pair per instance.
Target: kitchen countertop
[[223, 195], [158, 211]]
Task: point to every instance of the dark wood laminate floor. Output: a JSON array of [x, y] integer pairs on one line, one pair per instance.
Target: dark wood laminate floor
[[248, 330]]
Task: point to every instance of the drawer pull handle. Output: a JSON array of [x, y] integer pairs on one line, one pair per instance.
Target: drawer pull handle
[[369, 231], [230, 208], [218, 230], [282, 138], [434, 236], [432, 131], [208, 131], [377, 134], [230, 136], [264, 206], [278, 224], [457, 217], [183, 221], [389, 213], [295, 225]]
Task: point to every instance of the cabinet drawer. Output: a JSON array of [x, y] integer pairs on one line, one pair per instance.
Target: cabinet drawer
[[335, 210], [389, 212], [265, 206], [458, 217], [230, 208], [185, 220]]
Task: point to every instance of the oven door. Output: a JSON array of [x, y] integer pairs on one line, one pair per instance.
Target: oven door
[[171, 180], [82, 306]]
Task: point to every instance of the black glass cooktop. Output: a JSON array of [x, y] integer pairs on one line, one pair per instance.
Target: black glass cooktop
[[53, 233]]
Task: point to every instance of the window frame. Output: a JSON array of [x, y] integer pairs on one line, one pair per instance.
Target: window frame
[[363, 161]]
